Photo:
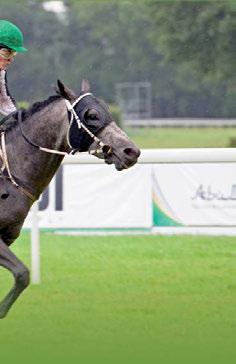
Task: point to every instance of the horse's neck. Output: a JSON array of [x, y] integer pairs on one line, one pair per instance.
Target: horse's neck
[[46, 128]]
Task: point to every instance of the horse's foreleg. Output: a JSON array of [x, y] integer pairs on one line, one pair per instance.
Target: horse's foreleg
[[9, 261]]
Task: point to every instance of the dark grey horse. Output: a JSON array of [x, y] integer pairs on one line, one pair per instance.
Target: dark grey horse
[[51, 125]]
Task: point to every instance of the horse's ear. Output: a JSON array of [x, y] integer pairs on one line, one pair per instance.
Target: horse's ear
[[65, 91], [85, 86]]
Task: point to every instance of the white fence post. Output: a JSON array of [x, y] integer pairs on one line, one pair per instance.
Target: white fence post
[[35, 245]]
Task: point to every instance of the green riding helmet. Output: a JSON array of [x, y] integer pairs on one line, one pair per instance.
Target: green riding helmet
[[11, 36]]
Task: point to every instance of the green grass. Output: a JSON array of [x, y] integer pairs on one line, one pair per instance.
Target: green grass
[[182, 137], [135, 297]]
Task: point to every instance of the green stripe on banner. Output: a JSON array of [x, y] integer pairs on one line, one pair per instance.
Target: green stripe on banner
[[159, 218]]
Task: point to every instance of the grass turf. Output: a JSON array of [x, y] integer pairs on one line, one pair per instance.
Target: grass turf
[[150, 137], [131, 296]]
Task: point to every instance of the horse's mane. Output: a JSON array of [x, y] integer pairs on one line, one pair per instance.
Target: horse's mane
[[38, 106], [34, 108]]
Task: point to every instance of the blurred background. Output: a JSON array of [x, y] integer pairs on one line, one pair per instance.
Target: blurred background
[[148, 59], [167, 70]]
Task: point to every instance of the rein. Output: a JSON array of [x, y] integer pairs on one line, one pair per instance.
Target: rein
[[6, 166], [70, 108]]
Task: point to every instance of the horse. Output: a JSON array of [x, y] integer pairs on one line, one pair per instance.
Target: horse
[[34, 142]]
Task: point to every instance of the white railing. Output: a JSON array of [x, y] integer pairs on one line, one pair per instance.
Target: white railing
[[148, 156], [180, 155]]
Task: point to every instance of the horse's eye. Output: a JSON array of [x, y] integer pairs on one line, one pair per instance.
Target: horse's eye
[[91, 114], [93, 117]]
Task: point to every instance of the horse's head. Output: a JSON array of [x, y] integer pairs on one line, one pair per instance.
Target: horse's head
[[92, 129]]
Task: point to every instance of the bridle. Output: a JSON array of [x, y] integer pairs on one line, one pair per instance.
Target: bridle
[[102, 148], [80, 124], [71, 109]]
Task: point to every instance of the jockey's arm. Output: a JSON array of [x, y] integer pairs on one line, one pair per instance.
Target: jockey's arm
[[7, 103]]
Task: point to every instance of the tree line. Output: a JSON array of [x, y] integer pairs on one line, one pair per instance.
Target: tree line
[[186, 50]]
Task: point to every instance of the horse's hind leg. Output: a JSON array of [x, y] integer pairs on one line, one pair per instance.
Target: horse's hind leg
[[9, 261]]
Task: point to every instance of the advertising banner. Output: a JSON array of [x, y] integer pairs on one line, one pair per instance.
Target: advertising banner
[[97, 196], [194, 194], [145, 196]]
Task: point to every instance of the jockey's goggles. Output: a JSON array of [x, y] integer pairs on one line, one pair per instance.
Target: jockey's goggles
[[7, 53]]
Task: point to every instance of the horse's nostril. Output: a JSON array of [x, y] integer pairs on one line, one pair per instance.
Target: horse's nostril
[[4, 196], [132, 152]]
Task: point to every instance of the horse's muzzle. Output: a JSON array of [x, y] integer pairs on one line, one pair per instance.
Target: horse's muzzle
[[124, 158]]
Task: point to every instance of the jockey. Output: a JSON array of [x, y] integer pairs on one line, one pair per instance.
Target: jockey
[[11, 43]]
